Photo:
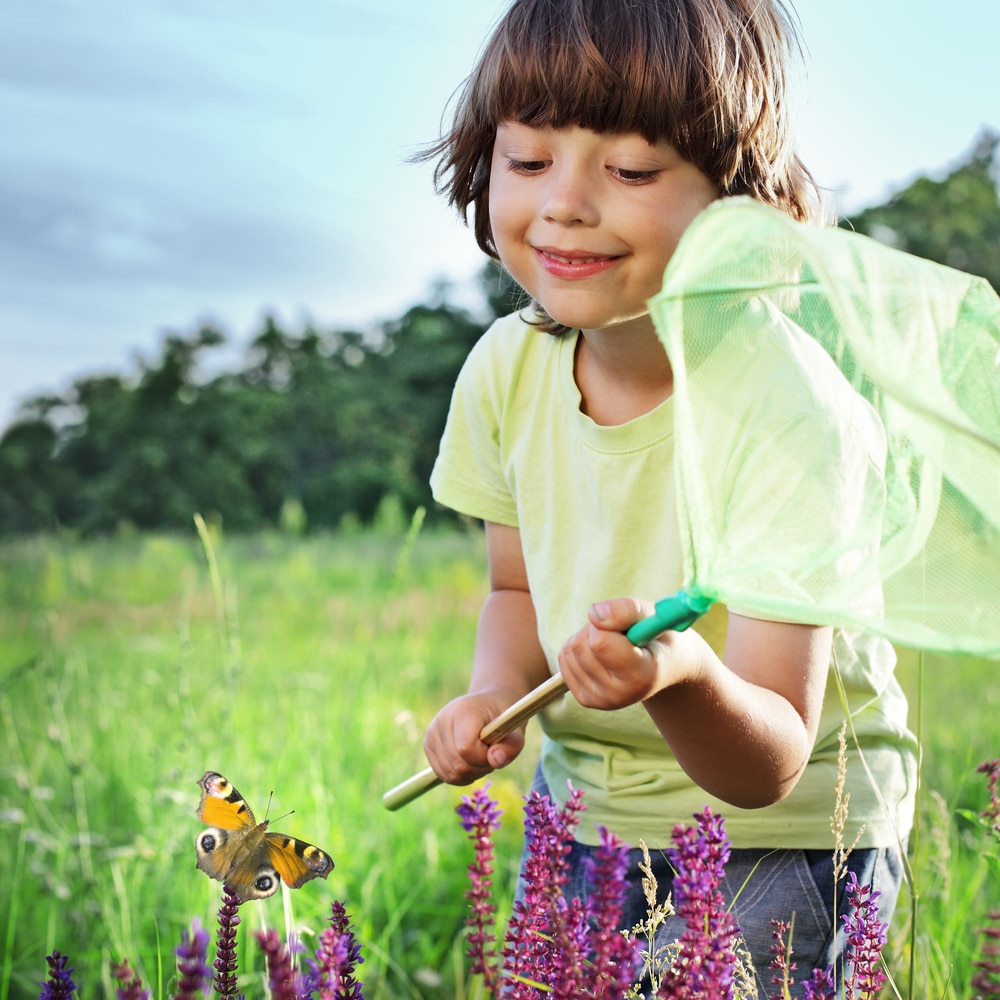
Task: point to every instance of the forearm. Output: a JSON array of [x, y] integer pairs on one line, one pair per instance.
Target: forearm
[[741, 742], [508, 657], [743, 726]]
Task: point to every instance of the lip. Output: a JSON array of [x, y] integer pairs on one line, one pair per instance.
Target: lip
[[574, 264]]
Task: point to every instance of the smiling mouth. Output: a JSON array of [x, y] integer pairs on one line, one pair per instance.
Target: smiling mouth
[[572, 265], [574, 256]]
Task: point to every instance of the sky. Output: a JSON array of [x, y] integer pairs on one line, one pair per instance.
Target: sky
[[167, 163]]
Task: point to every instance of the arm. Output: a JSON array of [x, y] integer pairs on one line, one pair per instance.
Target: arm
[[507, 663], [742, 727]]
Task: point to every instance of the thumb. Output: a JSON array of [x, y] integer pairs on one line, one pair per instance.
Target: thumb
[[619, 613], [502, 753]]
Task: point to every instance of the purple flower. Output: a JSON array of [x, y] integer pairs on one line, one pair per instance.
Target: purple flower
[[131, 985], [986, 982], [480, 816], [58, 986], [562, 950], [781, 963], [611, 959], [539, 928], [991, 768], [866, 936], [280, 971], [194, 977], [478, 812], [225, 963], [337, 957], [821, 986], [706, 962]]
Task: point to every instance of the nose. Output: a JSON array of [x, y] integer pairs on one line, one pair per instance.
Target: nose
[[570, 198]]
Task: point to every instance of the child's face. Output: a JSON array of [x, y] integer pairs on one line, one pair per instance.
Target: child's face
[[586, 222]]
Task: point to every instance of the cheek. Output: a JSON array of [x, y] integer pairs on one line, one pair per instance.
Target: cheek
[[499, 206], [505, 224]]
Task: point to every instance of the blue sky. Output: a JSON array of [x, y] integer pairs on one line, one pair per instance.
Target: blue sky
[[167, 162]]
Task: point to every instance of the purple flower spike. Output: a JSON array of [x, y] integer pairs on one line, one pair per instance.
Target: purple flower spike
[[59, 985], [131, 985], [820, 986], [613, 960], [225, 963], [337, 957], [991, 768], [542, 942], [480, 816], [705, 966], [782, 965], [194, 977], [866, 936], [280, 971]]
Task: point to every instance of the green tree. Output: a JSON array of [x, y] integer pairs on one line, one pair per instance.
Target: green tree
[[336, 421], [954, 221]]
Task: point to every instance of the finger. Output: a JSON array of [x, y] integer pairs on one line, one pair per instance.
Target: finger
[[619, 614], [502, 753]]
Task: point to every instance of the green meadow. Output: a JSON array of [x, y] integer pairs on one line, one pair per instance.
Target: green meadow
[[309, 668]]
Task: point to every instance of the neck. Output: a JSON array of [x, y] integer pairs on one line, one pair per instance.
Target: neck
[[622, 372]]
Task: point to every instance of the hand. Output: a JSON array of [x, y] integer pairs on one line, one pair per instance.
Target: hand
[[604, 670], [452, 744]]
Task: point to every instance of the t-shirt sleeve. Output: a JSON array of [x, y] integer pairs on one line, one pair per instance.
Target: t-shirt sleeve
[[468, 475]]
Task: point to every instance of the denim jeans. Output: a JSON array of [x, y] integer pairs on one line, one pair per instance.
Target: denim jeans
[[770, 885]]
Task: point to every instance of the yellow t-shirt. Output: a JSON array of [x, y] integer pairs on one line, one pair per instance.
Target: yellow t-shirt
[[595, 507]]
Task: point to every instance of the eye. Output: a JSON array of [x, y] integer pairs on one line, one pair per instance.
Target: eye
[[634, 177], [525, 166]]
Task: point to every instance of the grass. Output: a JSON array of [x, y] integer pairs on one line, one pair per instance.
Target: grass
[[310, 668]]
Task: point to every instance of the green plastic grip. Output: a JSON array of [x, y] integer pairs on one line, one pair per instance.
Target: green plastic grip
[[674, 613]]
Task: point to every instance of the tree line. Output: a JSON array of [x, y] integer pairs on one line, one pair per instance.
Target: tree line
[[321, 427]]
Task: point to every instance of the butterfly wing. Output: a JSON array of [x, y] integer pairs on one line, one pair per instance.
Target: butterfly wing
[[296, 861], [222, 805]]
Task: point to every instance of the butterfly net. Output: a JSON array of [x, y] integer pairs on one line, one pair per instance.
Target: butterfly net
[[837, 422]]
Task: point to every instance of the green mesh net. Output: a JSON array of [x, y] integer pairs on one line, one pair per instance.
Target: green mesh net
[[837, 411]]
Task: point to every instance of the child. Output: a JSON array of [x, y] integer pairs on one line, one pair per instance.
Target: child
[[588, 137]]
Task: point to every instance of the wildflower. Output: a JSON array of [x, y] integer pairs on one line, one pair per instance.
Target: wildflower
[[866, 936], [58, 986], [480, 816], [706, 961], [280, 971], [991, 768], [781, 964], [820, 986], [986, 982], [225, 963], [531, 953], [131, 984], [611, 958], [193, 974], [337, 957]]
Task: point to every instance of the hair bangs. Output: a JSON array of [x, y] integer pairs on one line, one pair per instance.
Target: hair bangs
[[597, 66]]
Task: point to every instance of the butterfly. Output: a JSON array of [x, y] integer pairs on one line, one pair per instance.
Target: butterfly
[[242, 854]]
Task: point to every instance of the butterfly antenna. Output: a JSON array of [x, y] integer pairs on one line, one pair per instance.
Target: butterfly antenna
[[277, 819]]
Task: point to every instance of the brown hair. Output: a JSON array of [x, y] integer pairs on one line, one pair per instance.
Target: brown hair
[[707, 76]]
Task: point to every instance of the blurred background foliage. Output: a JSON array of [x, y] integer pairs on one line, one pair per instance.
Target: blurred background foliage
[[322, 429]]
